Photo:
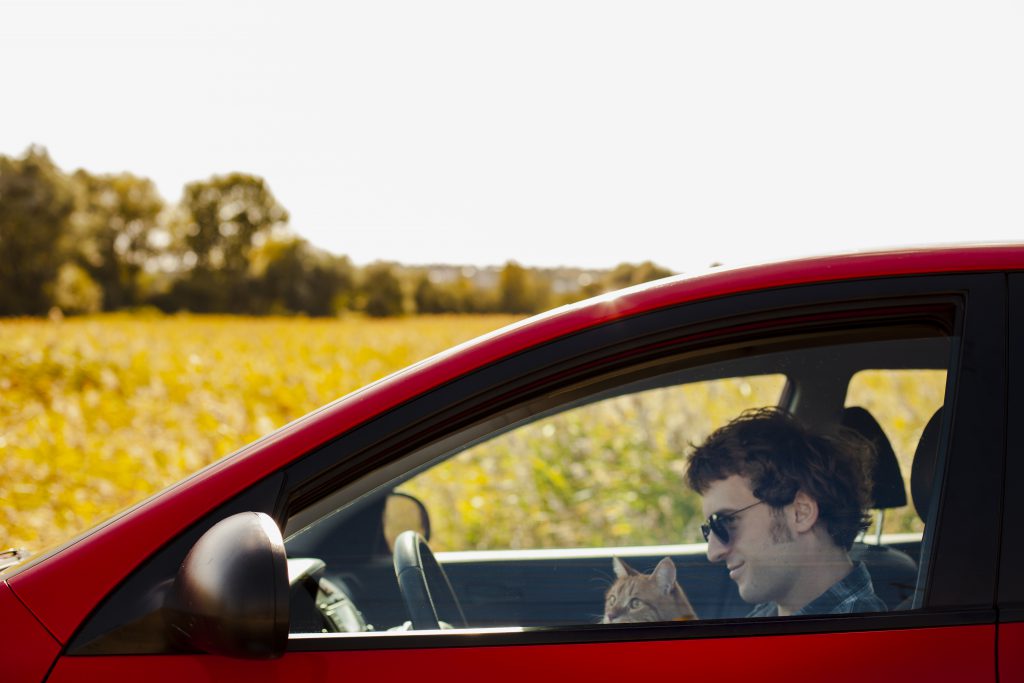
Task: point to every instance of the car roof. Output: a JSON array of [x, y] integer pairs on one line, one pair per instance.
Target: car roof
[[136, 534]]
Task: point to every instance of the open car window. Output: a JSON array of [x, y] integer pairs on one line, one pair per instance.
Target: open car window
[[527, 519], [598, 475]]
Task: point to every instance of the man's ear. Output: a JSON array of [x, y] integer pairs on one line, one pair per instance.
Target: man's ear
[[805, 512]]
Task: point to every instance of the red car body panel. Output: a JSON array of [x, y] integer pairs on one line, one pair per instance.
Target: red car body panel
[[1011, 652], [19, 630], [911, 655], [100, 560]]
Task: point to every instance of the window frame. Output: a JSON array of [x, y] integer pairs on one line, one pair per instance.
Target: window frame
[[974, 410], [1011, 573]]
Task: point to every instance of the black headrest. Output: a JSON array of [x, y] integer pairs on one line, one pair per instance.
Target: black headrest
[[922, 473], [887, 489]]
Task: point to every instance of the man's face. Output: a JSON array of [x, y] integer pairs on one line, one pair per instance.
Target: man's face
[[759, 555]]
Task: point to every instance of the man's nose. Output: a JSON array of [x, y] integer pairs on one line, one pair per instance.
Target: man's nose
[[716, 549]]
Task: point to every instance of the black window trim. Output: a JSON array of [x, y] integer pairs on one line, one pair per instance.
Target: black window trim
[[1011, 570]]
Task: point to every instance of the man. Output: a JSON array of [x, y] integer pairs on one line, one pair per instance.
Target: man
[[783, 507]]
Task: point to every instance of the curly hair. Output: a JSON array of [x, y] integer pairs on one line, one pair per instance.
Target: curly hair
[[779, 456]]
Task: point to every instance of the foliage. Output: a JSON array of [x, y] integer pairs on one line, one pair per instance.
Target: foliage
[[627, 274], [381, 292], [520, 292], [88, 241], [456, 295], [35, 209], [98, 412], [221, 221], [75, 292], [115, 220], [291, 276]]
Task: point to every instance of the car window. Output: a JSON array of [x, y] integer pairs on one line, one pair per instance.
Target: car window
[[543, 520], [602, 474], [902, 401]]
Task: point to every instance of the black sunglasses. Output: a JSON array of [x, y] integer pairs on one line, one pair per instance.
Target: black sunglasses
[[719, 524]]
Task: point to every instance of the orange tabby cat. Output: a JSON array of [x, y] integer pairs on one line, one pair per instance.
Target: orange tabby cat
[[636, 597]]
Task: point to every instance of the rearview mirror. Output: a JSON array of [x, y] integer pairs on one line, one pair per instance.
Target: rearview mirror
[[230, 596], [403, 512]]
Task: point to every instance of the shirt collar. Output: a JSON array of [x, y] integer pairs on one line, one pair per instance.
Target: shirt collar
[[828, 602]]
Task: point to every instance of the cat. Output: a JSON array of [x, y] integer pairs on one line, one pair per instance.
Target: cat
[[637, 597]]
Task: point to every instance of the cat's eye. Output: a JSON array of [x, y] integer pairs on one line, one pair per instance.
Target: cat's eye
[[635, 603], [611, 599]]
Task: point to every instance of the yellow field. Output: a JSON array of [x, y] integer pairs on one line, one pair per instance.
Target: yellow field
[[99, 412]]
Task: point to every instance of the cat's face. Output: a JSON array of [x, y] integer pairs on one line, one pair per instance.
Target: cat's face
[[636, 597]]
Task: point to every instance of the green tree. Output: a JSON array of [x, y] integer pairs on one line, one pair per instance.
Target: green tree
[[35, 209], [295, 277], [435, 298], [220, 222], [521, 290], [382, 291], [426, 296], [75, 292], [469, 298], [628, 274], [114, 219]]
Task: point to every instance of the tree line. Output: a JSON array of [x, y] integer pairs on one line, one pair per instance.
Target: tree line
[[84, 243]]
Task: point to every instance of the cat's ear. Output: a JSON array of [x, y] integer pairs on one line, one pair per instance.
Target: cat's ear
[[665, 575], [622, 570]]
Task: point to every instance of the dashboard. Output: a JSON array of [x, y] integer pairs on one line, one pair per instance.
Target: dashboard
[[318, 604]]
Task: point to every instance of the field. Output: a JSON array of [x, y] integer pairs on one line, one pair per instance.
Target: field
[[96, 413]]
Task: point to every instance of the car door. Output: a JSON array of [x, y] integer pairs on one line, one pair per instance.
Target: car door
[[337, 495]]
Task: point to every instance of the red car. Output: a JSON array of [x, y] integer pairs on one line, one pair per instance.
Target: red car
[[458, 520]]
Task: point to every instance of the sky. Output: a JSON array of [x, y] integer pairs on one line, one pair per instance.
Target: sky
[[547, 132]]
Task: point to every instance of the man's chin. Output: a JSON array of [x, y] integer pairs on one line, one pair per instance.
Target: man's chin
[[750, 596]]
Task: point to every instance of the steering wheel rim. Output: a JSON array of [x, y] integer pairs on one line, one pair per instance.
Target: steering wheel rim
[[417, 570]]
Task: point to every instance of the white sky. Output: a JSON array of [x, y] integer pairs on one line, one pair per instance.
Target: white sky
[[550, 132]]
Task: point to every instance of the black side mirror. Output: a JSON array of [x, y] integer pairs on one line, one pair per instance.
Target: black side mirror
[[230, 596]]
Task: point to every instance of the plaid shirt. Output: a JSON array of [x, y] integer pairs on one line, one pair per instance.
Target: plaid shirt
[[854, 593]]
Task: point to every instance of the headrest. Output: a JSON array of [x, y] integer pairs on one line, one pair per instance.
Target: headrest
[[922, 473], [887, 489]]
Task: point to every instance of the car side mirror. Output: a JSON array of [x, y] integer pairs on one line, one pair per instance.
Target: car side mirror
[[230, 596]]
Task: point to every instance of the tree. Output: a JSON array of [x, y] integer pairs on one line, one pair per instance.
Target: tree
[[382, 291], [35, 208], [75, 292], [628, 274], [521, 291], [426, 296], [114, 219], [295, 277], [220, 222]]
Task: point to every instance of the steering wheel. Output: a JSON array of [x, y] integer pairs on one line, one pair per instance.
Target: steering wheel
[[424, 585]]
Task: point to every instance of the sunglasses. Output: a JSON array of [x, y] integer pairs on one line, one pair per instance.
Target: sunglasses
[[719, 524]]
